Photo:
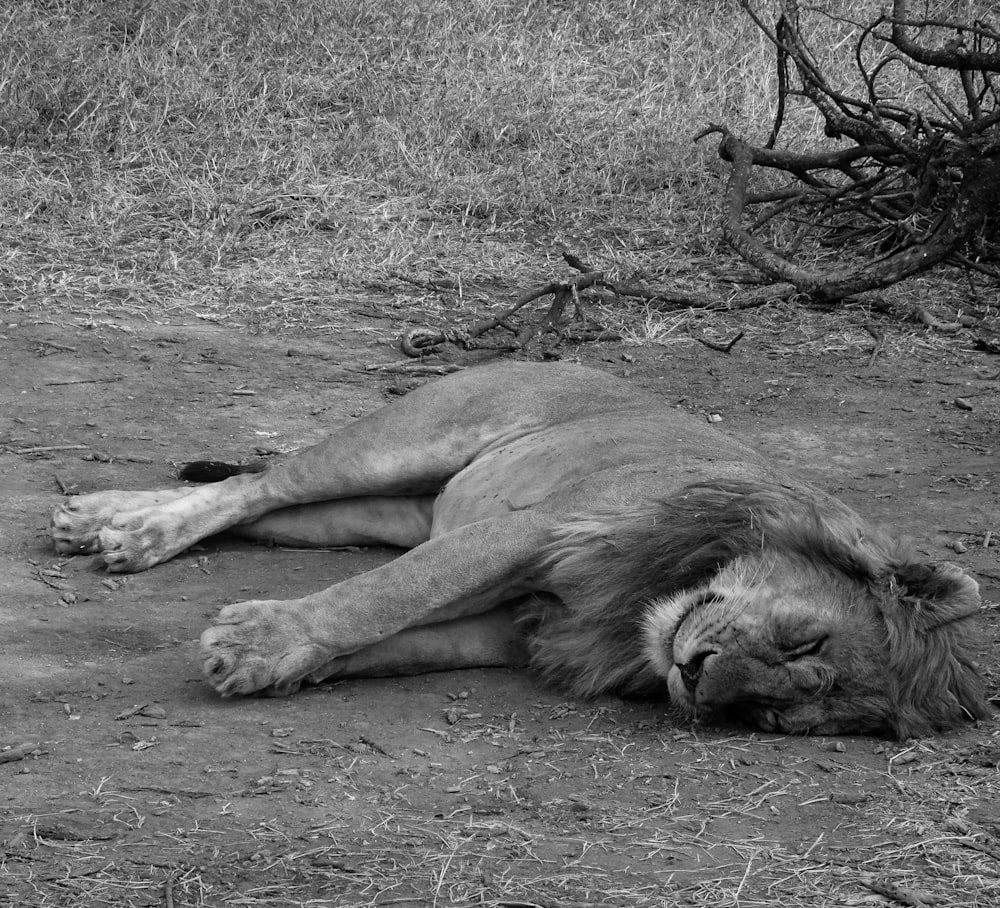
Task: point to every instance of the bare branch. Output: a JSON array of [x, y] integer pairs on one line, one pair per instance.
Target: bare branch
[[919, 185], [978, 197], [954, 55]]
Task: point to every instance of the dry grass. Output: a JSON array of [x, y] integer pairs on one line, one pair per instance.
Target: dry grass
[[661, 818], [209, 156], [261, 162]]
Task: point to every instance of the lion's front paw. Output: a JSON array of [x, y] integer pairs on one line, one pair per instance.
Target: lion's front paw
[[259, 646]]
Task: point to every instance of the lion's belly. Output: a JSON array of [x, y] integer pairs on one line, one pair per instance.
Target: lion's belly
[[590, 463]]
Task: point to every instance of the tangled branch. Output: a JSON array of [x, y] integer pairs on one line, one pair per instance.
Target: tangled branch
[[556, 322], [421, 341], [919, 186]]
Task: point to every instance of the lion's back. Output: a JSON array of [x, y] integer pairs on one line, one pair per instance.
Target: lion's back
[[607, 460]]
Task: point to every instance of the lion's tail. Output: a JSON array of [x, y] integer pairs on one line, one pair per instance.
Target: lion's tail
[[216, 470]]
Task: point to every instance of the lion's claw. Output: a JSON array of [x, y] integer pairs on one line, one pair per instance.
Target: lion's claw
[[74, 528]]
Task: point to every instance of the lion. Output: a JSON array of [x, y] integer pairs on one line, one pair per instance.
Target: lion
[[557, 517]]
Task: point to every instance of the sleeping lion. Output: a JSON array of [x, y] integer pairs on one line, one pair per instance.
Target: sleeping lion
[[561, 518]]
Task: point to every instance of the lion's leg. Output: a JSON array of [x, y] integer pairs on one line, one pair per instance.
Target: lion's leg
[[137, 540], [77, 521], [403, 521], [256, 645], [411, 447], [477, 641]]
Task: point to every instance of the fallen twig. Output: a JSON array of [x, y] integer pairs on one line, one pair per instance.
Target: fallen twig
[[414, 368], [45, 449], [374, 745], [86, 381], [18, 752], [722, 348], [652, 297], [914, 897], [64, 347]]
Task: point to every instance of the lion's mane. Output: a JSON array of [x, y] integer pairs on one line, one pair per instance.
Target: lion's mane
[[607, 568]]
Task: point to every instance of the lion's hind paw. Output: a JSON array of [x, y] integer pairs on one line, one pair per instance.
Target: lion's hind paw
[[76, 524], [73, 533], [258, 646]]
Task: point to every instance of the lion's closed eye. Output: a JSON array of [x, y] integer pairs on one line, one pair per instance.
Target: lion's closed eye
[[812, 647]]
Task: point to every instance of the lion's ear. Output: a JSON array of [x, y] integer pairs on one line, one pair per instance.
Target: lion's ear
[[940, 593], [927, 615]]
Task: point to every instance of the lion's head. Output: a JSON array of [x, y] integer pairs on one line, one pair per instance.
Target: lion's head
[[776, 604], [797, 646]]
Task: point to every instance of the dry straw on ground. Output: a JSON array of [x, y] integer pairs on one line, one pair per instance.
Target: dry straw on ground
[[646, 844], [271, 164]]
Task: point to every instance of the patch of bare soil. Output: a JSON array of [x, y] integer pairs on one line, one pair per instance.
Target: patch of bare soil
[[126, 782]]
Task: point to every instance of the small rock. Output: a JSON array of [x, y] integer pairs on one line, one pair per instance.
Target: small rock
[[960, 547], [962, 403], [151, 711]]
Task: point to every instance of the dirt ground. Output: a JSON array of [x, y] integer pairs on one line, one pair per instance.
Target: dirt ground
[[139, 787]]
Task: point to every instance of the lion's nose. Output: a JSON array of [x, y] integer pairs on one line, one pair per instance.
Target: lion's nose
[[692, 669]]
